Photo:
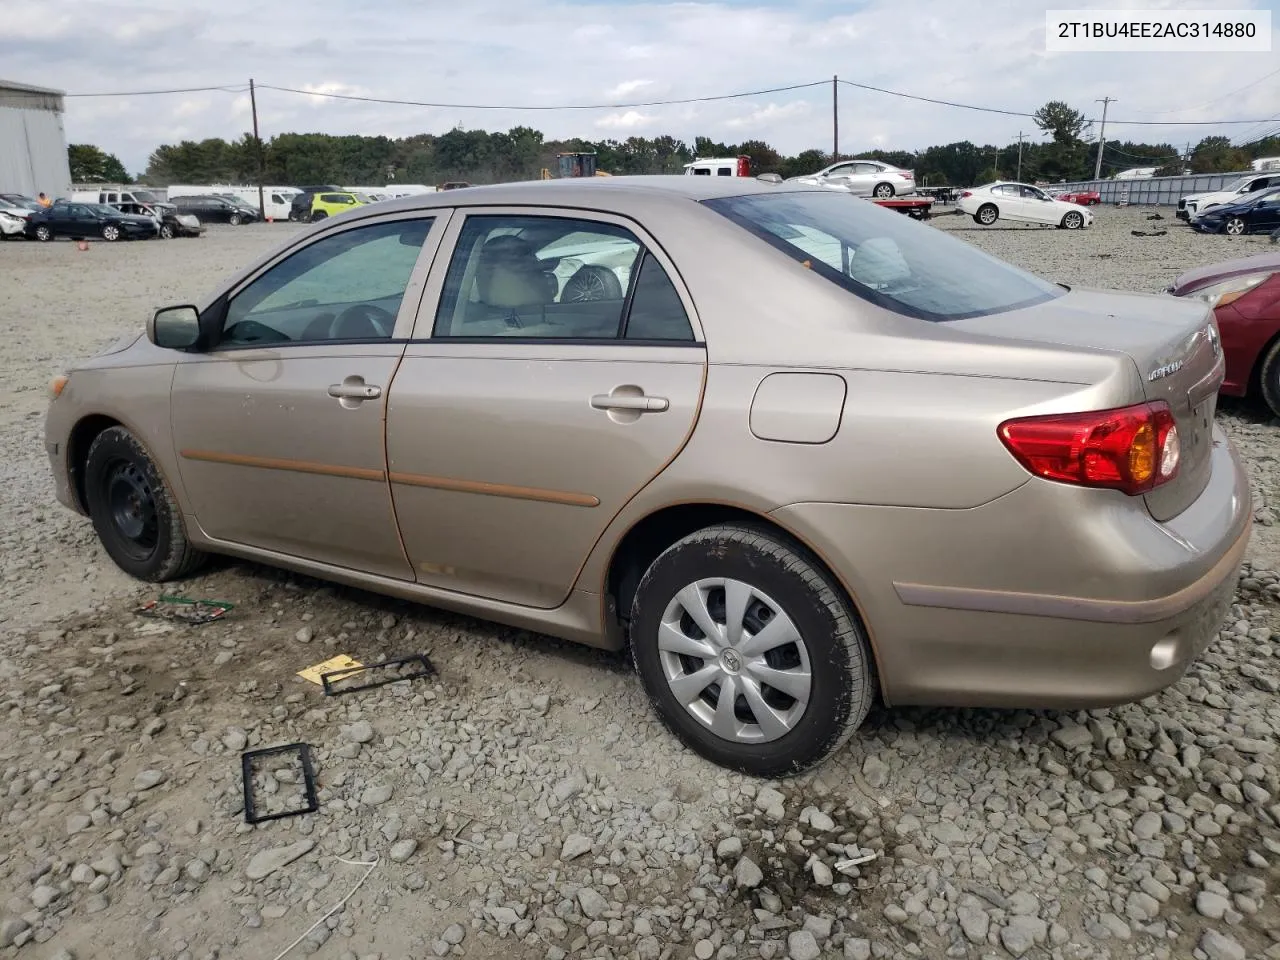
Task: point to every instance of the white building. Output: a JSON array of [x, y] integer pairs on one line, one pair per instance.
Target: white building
[[33, 144]]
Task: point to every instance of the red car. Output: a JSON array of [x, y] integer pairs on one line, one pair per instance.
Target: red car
[[1245, 296], [1086, 198]]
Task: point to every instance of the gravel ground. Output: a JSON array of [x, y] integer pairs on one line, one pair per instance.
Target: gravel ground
[[523, 801]]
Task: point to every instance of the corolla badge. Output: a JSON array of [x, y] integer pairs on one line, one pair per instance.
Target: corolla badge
[[1168, 370]]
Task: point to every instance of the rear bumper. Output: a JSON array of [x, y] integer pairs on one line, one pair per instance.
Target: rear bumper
[[1048, 597]]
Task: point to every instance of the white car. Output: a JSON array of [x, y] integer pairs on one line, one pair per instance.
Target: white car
[[865, 178], [13, 219], [1021, 202], [1190, 207]]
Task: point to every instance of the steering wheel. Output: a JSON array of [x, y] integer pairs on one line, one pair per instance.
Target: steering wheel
[[362, 316]]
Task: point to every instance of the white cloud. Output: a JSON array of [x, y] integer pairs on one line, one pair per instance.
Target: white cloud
[[627, 88], [630, 120], [546, 52], [768, 115]]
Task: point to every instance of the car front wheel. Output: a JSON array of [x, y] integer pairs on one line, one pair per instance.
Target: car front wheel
[[987, 214], [749, 652], [43, 232], [1234, 227], [133, 510], [166, 231], [1073, 221], [110, 232]]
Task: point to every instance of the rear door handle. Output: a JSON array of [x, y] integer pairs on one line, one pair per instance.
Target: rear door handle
[[608, 401], [354, 388]]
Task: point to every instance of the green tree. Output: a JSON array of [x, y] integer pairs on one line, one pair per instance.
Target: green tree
[[1057, 119], [1217, 155], [89, 164]]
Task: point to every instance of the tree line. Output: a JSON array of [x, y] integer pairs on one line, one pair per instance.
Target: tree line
[[521, 153]]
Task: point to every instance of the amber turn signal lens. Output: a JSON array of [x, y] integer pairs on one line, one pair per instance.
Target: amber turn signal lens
[[56, 386]]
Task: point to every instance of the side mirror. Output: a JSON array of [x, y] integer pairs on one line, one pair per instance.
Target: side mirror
[[174, 328]]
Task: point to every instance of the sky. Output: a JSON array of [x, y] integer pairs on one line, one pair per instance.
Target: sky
[[554, 53]]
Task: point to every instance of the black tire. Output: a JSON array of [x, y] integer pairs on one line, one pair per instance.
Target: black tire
[[592, 282], [1269, 378], [234, 220], [166, 231], [1072, 220], [1235, 227], [841, 685], [133, 511], [44, 232], [987, 214], [883, 191], [318, 215]]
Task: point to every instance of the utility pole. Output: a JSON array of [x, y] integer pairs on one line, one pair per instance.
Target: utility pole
[[257, 144], [835, 119], [1020, 136], [1102, 136]]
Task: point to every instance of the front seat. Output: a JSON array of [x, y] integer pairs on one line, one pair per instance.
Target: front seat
[[509, 277]]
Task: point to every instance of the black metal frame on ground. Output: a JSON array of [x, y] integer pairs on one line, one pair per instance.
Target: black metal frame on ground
[[428, 670], [308, 780]]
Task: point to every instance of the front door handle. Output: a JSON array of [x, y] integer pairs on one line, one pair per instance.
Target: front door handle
[[641, 404], [354, 391]]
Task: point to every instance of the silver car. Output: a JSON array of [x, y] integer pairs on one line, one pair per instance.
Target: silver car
[[796, 450], [865, 178]]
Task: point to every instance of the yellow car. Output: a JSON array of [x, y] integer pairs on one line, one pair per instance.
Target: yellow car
[[331, 204]]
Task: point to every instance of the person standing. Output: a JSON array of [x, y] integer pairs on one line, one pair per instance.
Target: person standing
[[44, 200]]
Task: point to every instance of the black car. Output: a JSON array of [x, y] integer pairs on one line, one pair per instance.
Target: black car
[[84, 220], [300, 207], [221, 209], [1256, 213]]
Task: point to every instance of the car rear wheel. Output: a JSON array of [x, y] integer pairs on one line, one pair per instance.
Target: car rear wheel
[[987, 214], [133, 510], [1073, 220], [748, 651], [43, 232], [883, 190], [318, 215], [111, 232], [1234, 227]]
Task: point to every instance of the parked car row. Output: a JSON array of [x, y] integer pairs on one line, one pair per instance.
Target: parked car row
[[1255, 212], [88, 217]]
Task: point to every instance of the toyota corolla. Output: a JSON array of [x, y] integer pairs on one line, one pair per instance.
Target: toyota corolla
[[795, 450]]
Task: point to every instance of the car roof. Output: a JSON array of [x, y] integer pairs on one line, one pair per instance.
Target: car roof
[[624, 194]]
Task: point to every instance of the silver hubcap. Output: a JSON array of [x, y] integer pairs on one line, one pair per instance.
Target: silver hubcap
[[1235, 226], [988, 216], [1073, 221], [735, 660]]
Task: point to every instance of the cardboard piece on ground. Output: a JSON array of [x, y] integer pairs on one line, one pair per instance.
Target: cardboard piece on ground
[[341, 662]]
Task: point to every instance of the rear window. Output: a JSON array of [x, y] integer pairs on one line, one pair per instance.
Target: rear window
[[884, 257]]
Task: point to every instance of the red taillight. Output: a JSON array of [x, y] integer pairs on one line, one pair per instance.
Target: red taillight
[[906, 174], [966, 193], [744, 166], [1132, 449]]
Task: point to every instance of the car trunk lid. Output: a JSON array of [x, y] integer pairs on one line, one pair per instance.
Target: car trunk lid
[[1174, 345]]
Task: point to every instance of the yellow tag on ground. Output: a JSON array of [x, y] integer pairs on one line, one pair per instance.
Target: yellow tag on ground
[[340, 662]]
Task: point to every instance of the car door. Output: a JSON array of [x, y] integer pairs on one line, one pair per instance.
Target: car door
[[1037, 206], [1266, 213], [278, 425], [1009, 199], [556, 368], [840, 173], [863, 178], [75, 220]]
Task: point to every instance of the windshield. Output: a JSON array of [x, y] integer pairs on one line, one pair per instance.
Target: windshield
[[145, 196], [886, 258], [1237, 185], [102, 210]]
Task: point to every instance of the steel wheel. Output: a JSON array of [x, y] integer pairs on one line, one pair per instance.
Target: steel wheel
[[1073, 220], [735, 660], [110, 232], [1234, 227], [132, 506], [883, 190], [988, 214]]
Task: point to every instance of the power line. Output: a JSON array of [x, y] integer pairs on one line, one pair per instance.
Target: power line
[[1224, 96], [226, 88], [578, 106]]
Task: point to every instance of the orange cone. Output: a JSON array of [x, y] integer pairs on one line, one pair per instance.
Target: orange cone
[[82, 244]]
